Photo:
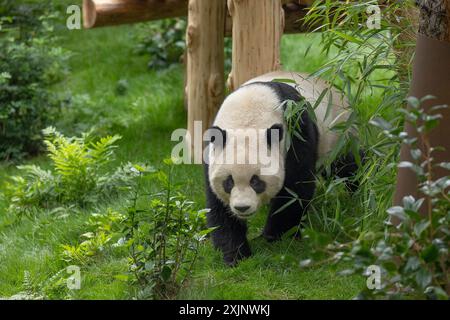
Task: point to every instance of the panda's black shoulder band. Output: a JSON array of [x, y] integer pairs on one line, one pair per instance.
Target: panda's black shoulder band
[[216, 135], [278, 127], [283, 90]]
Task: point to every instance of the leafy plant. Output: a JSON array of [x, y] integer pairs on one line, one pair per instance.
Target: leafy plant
[[413, 254], [163, 41], [365, 61], [104, 228], [371, 68], [30, 63], [33, 288], [163, 233], [78, 176]]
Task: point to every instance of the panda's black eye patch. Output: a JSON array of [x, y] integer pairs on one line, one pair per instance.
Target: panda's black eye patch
[[228, 184], [257, 184]]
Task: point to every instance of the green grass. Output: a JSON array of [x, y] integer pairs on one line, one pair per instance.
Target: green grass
[[146, 116]]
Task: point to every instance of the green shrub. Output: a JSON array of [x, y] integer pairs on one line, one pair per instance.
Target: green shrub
[[30, 63], [26, 17], [163, 41], [79, 174], [163, 232]]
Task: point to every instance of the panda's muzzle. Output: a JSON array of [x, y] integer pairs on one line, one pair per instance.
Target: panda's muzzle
[[242, 209]]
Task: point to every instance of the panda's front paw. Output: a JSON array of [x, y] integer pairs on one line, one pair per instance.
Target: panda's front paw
[[271, 237], [276, 237], [231, 259]]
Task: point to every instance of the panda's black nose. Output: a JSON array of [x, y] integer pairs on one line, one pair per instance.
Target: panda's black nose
[[242, 208]]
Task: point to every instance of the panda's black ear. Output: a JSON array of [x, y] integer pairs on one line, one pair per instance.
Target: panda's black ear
[[217, 136], [278, 127]]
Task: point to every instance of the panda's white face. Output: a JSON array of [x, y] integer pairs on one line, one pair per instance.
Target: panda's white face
[[243, 188]]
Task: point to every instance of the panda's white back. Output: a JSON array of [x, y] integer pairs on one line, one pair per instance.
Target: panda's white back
[[255, 106], [311, 89]]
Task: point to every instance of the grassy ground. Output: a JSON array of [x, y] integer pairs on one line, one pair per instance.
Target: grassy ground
[[145, 117]]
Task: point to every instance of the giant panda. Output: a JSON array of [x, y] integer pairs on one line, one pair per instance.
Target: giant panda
[[236, 190]]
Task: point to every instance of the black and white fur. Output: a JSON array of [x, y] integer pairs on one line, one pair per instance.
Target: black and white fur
[[235, 191]]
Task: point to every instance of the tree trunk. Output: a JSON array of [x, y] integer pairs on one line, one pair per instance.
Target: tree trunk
[[205, 66], [257, 31], [431, 76], [435, 19]]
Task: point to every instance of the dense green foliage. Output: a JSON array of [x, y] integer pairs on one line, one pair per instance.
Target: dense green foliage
[[412, 253], [29, 64], [163, 41], [413, 258]]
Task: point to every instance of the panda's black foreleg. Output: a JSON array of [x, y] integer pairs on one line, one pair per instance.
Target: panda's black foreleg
[[292, 202], [230, 236], [346, 167], [287, 210]]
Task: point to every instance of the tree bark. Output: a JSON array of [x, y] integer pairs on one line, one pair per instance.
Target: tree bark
[[205, 66], [431, 76], [435, 19], [257, 31]]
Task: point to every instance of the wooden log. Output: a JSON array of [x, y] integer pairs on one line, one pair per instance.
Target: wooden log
[[205, 65], [97, 13], [102, 13], [257, 32]]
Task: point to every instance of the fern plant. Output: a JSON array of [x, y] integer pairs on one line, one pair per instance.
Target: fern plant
[[103, 230], [34, 288], [79, 174], [78, 162]]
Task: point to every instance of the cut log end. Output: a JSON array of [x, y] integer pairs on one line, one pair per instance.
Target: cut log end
[[89, 14]]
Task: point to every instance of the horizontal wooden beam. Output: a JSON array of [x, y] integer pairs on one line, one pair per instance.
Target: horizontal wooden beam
[[102, 13], [99, 13]]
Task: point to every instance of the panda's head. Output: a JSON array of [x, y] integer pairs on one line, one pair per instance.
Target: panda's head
[[250, 123], [244, 187]]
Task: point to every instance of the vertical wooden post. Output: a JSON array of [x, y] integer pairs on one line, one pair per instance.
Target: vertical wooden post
[[257, 30], [205, 65]]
